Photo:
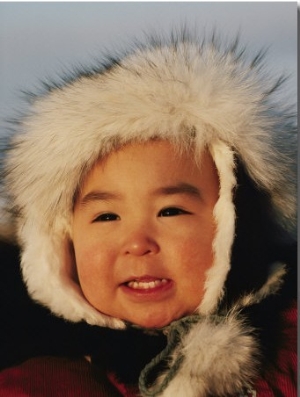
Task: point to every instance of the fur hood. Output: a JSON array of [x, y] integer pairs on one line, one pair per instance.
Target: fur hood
[[179, 90]]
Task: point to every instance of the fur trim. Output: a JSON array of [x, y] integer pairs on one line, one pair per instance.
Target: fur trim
[[271, 287], [7, 226], [183, 92], [224, 213]]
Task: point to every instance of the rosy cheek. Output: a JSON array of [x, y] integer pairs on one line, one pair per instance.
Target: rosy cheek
[[95, 261], [83, 254]]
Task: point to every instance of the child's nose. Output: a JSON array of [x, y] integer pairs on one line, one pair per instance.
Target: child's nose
[[140, 244]]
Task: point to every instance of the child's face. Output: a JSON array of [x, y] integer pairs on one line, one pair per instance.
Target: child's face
[[143, 232]]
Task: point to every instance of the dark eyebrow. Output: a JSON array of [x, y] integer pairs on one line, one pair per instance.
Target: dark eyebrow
[[180, 188], [97, 195]]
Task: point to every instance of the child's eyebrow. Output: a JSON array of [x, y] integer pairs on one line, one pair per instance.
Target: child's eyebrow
[[97, 195], [180, 188]]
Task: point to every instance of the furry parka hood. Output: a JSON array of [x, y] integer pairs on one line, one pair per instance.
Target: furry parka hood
[[199, 95]]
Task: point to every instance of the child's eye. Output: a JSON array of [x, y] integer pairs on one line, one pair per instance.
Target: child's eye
[[172, 211], [107, 217]]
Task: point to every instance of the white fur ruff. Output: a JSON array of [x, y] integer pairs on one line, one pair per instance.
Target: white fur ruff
[[177, 93]]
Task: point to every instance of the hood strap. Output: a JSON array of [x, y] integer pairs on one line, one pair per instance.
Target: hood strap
[[175, 333]]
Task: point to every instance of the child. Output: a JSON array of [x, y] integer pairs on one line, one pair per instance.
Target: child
[[155, 197]]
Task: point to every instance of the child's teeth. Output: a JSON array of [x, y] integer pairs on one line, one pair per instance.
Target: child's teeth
[[146, 284]]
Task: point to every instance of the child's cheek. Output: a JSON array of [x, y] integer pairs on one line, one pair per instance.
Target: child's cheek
[[94, 260]]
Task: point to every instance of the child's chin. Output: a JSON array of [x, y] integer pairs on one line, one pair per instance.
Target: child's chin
[[152, 323]]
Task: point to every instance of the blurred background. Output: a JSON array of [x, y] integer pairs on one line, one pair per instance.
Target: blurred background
[[40, 41]]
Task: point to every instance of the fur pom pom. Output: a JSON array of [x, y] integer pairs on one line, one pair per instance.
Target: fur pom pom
[[220, 358]]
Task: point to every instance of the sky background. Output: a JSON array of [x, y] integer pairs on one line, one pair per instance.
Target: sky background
[[40, 40]]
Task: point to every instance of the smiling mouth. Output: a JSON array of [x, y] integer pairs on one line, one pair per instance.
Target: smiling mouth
[[143, 285]]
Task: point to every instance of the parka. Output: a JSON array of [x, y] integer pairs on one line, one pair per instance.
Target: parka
[[193, 93]]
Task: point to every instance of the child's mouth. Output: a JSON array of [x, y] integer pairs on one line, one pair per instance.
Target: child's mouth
[[146, 285]]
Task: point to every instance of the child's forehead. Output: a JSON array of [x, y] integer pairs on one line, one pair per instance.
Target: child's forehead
[[149, 171], [149, 152], [150, 163], [157, 149]]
